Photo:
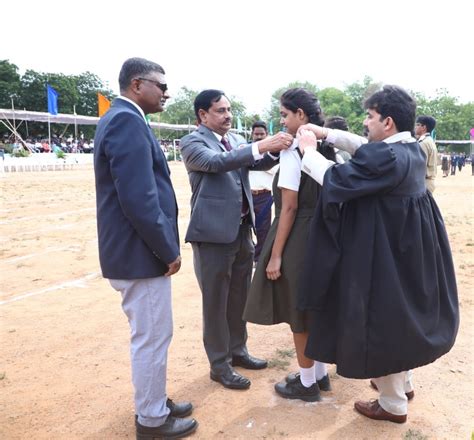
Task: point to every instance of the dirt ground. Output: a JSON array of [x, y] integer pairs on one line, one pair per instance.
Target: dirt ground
[[64, 359]]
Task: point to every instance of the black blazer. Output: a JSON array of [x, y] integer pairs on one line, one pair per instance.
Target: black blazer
[[136, 204]]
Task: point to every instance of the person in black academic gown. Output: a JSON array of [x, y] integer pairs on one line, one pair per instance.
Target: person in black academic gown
[[378, 273]]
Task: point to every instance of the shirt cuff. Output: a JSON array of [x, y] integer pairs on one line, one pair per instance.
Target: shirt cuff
[[274, 156], [331, 136], [256, 154], [315, 165]]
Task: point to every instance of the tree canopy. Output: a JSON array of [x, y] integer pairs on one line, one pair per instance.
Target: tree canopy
[[28, 91], [79, 92]]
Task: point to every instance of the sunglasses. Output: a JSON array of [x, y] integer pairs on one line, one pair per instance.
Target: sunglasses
[[162, 87]]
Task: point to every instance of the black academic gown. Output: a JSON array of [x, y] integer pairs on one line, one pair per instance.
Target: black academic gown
[[378, 275]]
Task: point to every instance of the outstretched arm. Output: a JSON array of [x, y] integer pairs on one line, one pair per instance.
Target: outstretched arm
[[343, 140]]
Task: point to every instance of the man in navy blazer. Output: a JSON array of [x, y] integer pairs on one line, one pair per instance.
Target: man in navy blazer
[[138, 239], [222, 216]]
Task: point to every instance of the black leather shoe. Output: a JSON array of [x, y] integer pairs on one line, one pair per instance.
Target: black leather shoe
[[232, 380], [249, 362], [324, 384], [172, 428], [180, 409], [296, 390]]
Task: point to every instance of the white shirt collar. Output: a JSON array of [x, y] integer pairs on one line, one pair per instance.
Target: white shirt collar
[[135, 105], [219, 136], [403, 136], [423, 136]]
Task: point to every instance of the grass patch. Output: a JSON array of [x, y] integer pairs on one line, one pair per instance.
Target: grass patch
[[414, 434], [281, 359]]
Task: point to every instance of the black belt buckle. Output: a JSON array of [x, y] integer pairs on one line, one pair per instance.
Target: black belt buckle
[[244, 220]]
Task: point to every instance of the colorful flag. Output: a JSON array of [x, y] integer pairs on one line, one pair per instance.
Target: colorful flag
[[52, 100], [103, 104]]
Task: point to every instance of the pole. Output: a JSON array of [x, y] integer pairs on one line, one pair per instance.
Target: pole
[[75, 122], [14, 122], [49, 130], [26, 125]]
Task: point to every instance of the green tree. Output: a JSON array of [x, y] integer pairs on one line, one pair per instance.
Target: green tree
[[358, 92], [9, 84], [180, 110], [88, 85], [453, 120]]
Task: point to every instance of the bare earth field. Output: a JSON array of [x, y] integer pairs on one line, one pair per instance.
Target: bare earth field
[[64, 357]]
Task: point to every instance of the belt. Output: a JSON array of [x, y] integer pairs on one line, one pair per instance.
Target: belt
[[245, 220], [256, 192]]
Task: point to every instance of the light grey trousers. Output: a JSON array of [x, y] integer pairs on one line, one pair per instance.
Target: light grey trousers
[[147, 304], [392, 389]]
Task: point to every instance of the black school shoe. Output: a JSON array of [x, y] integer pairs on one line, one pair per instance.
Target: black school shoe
[[296, 390], [180, 409], [324, 384]]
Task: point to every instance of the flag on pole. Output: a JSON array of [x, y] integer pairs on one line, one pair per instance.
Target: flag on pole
[[270, 127], [239, 125], [103, 104], [52, 100]]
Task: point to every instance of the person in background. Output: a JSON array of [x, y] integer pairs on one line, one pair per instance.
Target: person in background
[[261, 187], [454, 163], [445, 164], [424, 125], [337, 122]]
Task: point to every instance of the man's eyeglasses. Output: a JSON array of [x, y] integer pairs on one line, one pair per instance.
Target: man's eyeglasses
[[162, 87]]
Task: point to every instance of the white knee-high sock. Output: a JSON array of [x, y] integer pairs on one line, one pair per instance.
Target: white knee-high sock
[[307, 376], [320, 370]]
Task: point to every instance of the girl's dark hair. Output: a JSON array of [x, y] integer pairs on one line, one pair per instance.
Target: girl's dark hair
[[296, 98]]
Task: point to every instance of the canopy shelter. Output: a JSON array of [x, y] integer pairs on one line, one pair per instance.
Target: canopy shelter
[[61, 118]]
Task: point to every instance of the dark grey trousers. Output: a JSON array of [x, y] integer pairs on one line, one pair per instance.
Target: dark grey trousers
[[224, 272]]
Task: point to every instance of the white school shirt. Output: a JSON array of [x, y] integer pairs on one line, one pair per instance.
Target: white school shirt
[[290, 168]]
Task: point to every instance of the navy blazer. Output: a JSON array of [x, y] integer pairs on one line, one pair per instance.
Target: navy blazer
[[136, 204]]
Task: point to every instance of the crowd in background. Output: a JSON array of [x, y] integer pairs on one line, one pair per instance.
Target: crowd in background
[[453, 161]]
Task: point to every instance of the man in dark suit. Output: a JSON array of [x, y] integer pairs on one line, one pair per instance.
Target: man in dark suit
[[138, 239], [222, 216]]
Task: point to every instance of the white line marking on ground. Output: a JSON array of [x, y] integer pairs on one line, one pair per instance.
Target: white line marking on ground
[[48, 229], [79, 282], [74, 248], [59, 214]]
